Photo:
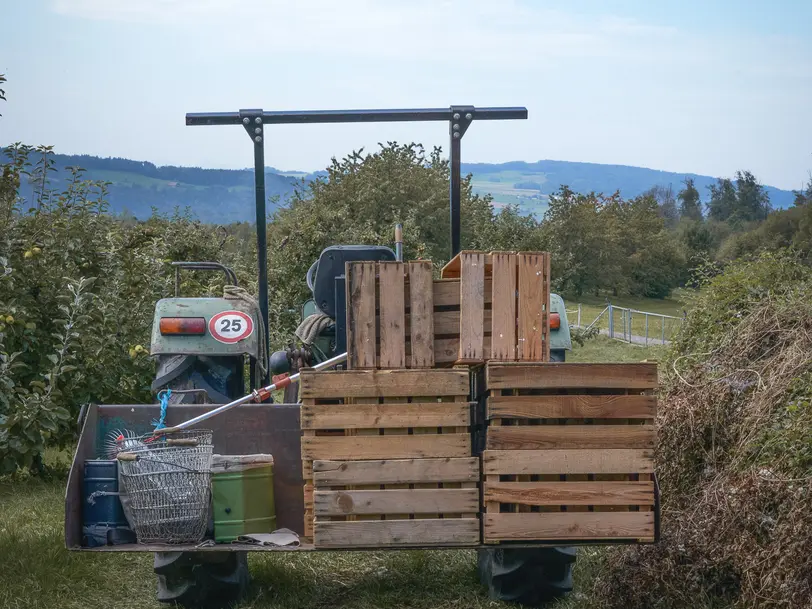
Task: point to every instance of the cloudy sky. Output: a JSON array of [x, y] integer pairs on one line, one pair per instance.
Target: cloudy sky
[[694, 86]]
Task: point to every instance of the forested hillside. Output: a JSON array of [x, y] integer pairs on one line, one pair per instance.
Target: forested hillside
[[226, 195]]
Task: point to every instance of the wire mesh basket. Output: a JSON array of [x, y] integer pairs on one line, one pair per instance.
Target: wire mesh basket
[[167, 480]]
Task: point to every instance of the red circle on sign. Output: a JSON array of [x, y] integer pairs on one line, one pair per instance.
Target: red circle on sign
[[231, 326]]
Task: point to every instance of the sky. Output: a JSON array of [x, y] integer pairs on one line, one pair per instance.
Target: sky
[[688, 86]]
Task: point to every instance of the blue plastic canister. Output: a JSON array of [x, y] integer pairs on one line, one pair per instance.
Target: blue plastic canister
[[103, 519]]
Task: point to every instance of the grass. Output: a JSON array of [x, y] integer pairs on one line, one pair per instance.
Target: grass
[[38, 573], [605, 349]]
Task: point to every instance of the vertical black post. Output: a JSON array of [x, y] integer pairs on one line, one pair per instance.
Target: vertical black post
[[461, 117], [252, 121]]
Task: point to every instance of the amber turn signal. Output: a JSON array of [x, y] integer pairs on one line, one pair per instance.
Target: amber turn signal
[[555, 321], [183, 325]]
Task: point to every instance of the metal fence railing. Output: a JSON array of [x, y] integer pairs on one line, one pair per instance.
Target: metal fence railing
[[632, 325]]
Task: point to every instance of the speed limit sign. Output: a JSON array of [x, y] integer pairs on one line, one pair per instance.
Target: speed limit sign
[[231, 326]]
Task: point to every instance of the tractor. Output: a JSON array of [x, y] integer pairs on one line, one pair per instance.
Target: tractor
[[202, 346]]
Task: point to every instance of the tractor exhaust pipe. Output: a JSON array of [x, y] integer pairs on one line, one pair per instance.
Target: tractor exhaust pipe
[[399, 242]]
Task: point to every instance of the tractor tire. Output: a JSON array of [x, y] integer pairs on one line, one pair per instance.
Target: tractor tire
[[202, 580], [529, 577]]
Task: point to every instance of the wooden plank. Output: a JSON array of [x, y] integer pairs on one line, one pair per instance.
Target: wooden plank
[[383, 383], [392, 315], [472, 307], [573, 406], [539, 437], [361, 332], [568, 525], [396, 501], [571, 376], [386, 447], [398, 533], [614, 461], [503, 325], [447, 292], [447, 323], [421, 315], [530, 312], [396, 471], [570, 493], [377, 416]]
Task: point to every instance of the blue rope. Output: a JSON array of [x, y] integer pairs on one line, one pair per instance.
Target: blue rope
[[163, 396]]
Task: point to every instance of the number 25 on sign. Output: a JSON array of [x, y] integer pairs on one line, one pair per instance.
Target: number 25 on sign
[[231, 326]]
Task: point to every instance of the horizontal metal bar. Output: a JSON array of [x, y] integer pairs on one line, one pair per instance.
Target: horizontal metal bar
[[285, 117]]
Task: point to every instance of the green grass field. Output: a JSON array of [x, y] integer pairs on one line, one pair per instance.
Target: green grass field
[[38, 573]]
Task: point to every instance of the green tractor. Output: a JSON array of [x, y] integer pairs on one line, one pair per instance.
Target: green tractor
[[202, 346]]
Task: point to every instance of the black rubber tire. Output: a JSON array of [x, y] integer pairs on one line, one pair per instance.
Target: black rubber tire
[[202, 580], [529, 577]]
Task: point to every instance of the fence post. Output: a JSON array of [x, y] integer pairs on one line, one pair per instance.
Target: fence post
[[629, 321], [663, 336], [579, 314], [611, 322], [647, 329]]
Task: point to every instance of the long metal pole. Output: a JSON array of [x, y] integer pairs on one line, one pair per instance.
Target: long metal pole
[[255, 396], [454, 194], [262, 240]]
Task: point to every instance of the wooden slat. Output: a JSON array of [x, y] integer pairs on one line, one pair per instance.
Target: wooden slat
[[447, 292], [564, 376], [614, 461], [530, 313], [571, 493], [421, 316], [397, 501], [361, 333], [472, 307], [403, 533], [539, 437], [392, 315], [568, 525], [386, 447], [573, 406], [503, 325], [377, 416], [383, 383], [396, 471], [447, 323]]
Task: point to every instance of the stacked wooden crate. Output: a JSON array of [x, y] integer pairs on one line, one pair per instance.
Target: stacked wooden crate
[[488, 306], [569, 453], [387, 459], [504, 305]]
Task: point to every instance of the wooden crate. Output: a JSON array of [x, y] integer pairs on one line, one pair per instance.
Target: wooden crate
[[487, 307], [569, 453], [370, 416], [517, 322], [396, 503]]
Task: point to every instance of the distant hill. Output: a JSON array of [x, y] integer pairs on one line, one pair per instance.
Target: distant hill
[[529, 184], [227, 195]]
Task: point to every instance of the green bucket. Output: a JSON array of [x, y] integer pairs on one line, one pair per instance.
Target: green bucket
[[242, 496]]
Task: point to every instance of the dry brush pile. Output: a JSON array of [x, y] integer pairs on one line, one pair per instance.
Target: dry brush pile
[[735, 454]]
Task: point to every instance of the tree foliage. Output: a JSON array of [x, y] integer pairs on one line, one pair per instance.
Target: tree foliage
[[690, 207]]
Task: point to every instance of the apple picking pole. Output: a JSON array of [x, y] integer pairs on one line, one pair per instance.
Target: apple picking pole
[[255, 396]]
